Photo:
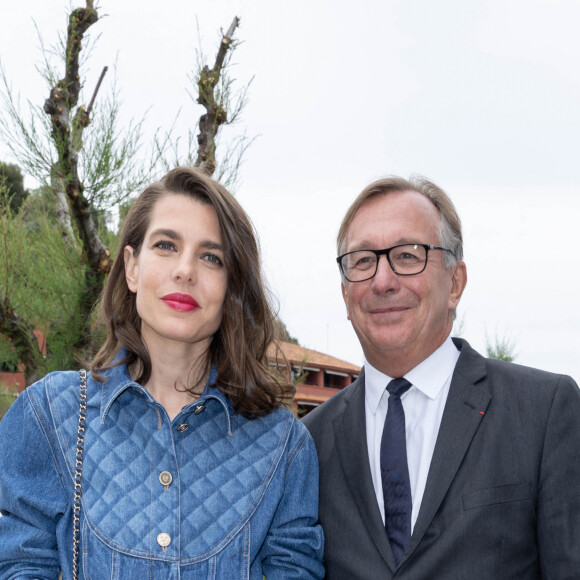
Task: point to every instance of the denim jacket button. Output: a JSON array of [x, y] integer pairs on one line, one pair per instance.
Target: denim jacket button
[[182, 427], [164, 540], [165, 478], [199, 409]]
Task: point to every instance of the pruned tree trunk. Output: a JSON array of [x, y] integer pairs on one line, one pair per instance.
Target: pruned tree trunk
[[67, 132], [62, 211], [216, 114]]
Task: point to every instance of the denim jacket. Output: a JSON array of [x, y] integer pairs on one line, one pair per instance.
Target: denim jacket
[[208, 495]]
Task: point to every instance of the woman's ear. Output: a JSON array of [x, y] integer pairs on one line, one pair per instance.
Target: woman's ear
[[131, 268]]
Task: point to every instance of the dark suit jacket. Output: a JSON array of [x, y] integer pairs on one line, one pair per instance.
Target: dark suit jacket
[[502, 499]]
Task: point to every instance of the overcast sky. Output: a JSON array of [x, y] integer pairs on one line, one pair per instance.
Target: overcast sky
[[482, 97]]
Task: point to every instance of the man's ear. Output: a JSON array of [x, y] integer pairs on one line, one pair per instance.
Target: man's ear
[[131, 268], [344, 297], [458, 283]]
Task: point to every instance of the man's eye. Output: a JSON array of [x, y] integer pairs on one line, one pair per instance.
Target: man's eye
[[407, 257], [363, 261]]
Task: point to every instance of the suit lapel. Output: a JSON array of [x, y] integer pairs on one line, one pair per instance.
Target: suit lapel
[[463, 413], [351, 442]]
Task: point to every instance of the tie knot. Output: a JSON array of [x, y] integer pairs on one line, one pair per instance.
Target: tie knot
[[398, 387]]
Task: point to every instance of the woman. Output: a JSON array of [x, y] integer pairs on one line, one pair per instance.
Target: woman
[[191, 466]]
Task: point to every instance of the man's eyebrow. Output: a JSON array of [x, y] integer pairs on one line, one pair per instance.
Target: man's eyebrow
[[365, 245]]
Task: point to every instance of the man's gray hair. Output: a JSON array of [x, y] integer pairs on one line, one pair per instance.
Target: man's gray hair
[[450, 235]]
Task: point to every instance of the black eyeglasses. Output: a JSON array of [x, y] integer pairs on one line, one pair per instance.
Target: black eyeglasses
[[404, 259]]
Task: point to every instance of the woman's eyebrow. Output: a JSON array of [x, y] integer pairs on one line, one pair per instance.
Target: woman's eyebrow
[[211, 245], [171, 234]]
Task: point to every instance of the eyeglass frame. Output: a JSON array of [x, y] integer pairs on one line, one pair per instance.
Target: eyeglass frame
[[387, 252]]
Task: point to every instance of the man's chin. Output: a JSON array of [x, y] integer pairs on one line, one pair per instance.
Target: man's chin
[[384, 343]]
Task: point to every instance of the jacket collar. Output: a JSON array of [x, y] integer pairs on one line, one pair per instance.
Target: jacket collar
[[118, 380]]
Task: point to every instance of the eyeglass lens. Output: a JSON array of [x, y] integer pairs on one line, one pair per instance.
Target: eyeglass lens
[[362, 264]]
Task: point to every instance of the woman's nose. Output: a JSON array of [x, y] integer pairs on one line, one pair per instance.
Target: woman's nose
[[184, 269]]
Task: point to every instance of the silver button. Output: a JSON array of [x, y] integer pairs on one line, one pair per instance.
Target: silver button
[[164, 540], [165, 478], [182, 427], [199, 409]]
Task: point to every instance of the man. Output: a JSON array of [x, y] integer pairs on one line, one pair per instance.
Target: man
[[463, 468]]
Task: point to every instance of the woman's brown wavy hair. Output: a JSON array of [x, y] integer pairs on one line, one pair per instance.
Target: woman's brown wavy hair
[[238, 349]]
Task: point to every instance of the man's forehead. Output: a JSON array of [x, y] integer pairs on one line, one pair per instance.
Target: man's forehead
[[399, 213], [408, 197]]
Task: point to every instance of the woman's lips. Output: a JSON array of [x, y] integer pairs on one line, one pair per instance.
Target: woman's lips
[[180, 302]]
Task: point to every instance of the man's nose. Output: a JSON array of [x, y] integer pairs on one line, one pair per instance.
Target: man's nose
[[385, 279]]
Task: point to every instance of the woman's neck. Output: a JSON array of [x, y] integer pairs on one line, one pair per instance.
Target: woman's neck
[[178, 376]]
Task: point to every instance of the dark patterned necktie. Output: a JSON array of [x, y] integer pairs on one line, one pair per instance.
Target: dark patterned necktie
[[395, 471]]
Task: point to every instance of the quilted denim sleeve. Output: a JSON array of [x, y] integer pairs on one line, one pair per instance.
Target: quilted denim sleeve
[[294, 545], [32, 498]]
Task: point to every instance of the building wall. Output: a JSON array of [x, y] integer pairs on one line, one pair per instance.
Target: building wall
[[318, 386]]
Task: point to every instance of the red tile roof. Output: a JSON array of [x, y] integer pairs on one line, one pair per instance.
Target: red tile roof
[[298, 354]]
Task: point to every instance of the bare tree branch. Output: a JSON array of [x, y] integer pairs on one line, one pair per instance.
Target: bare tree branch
[[103, 73], [216, 114]]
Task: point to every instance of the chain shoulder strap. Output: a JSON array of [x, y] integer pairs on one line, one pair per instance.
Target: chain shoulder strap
[[79, 472]]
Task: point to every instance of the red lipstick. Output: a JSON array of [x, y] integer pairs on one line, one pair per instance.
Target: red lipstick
[[180, 302]]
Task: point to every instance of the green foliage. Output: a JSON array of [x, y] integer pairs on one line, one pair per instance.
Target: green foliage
[[27, 134], [502, 349], [42, 277], [111, 162], [8, 356], [6, 399], [13, 180], [458, 329], [281, 332], [299, 375]]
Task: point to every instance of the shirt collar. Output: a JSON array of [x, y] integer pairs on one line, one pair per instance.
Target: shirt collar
[[429, 376], [118, 381]]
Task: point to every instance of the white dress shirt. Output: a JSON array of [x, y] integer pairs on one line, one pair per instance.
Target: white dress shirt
[[423, 404]]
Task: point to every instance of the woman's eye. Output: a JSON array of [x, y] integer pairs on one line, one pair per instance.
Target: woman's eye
[[163, 245], [213, 259]]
